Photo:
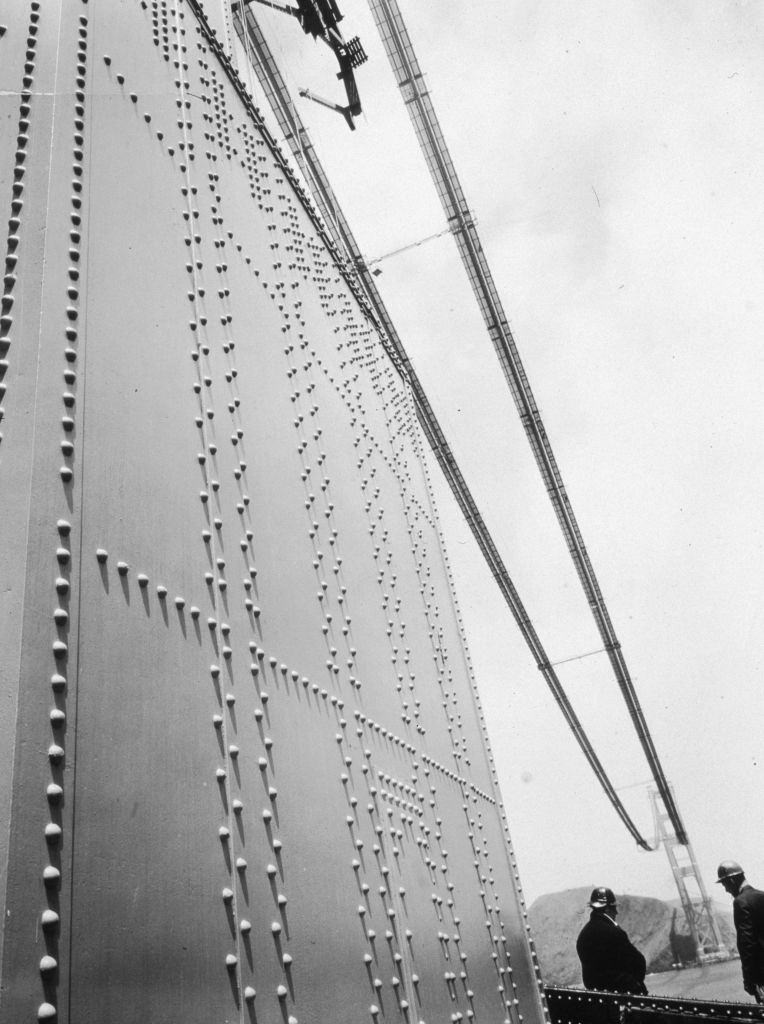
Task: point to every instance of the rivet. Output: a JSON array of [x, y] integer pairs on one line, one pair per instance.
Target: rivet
[[51, 876], [244, 928], [48, 963], [281, 992], [46, 1011], [143, 580], [49, 919], [231, 961], [54, 793], [249, 993], [52, 833], [101, 555]]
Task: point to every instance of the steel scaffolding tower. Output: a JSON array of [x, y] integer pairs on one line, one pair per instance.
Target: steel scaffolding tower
[[696, 905]]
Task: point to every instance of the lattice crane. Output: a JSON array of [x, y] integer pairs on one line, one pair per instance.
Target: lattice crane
[[320, 19]]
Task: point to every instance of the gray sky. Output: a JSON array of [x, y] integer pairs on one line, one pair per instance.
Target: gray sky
[[612, 154]]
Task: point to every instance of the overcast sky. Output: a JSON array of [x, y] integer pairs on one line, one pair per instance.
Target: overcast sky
[[613, 155]]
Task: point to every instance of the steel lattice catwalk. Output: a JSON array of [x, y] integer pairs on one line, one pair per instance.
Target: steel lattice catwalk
[[244, 770], [410, 80], [295, 133]]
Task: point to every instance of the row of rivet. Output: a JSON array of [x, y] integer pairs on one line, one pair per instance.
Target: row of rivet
[[437, 901], [454, 599], [17, 201], [352, 335], [282, 162], [233, 807], [403, 413], [458, 1016], [323, 288], [161, 39], [50, 919], [449, 977], [314, 531], [386, 894], [232, 961], [269, 815], [420, 560], [368, 506], [494, 779], [470, 1012]]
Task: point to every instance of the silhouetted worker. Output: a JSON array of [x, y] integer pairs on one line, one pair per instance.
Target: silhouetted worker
[[609, 962], [748, 915]]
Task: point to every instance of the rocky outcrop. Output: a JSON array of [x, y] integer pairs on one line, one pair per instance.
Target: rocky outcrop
[[656, 928]]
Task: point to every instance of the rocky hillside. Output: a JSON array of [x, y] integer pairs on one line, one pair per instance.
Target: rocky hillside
[[556, 920]]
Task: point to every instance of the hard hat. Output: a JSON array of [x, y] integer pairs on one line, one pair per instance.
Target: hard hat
[[728, 869], [601, 897]]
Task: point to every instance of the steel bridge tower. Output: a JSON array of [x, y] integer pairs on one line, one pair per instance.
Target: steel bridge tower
[[696, 902], [244, 770]]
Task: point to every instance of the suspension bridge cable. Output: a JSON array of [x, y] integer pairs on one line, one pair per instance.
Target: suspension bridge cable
[[299, 142], [410, 80]]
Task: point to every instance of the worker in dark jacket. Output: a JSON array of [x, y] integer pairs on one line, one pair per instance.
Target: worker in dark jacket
[[609, 962], [748, 915]]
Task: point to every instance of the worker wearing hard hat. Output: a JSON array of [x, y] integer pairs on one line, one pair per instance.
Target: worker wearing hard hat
[[748, 915], [609, 962]]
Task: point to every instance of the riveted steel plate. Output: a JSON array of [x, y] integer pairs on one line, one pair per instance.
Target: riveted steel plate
[[244, 762]]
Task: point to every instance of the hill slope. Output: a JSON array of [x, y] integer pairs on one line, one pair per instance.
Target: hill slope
[[557, 918]]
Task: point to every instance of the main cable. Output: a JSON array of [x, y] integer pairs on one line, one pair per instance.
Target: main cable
[[302, 149], [410, 79]]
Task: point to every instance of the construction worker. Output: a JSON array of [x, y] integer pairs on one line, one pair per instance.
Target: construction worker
[[748, 915], [609, 962]]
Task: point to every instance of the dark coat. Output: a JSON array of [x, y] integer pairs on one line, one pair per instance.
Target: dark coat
[[609, 962], [748, 915]]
